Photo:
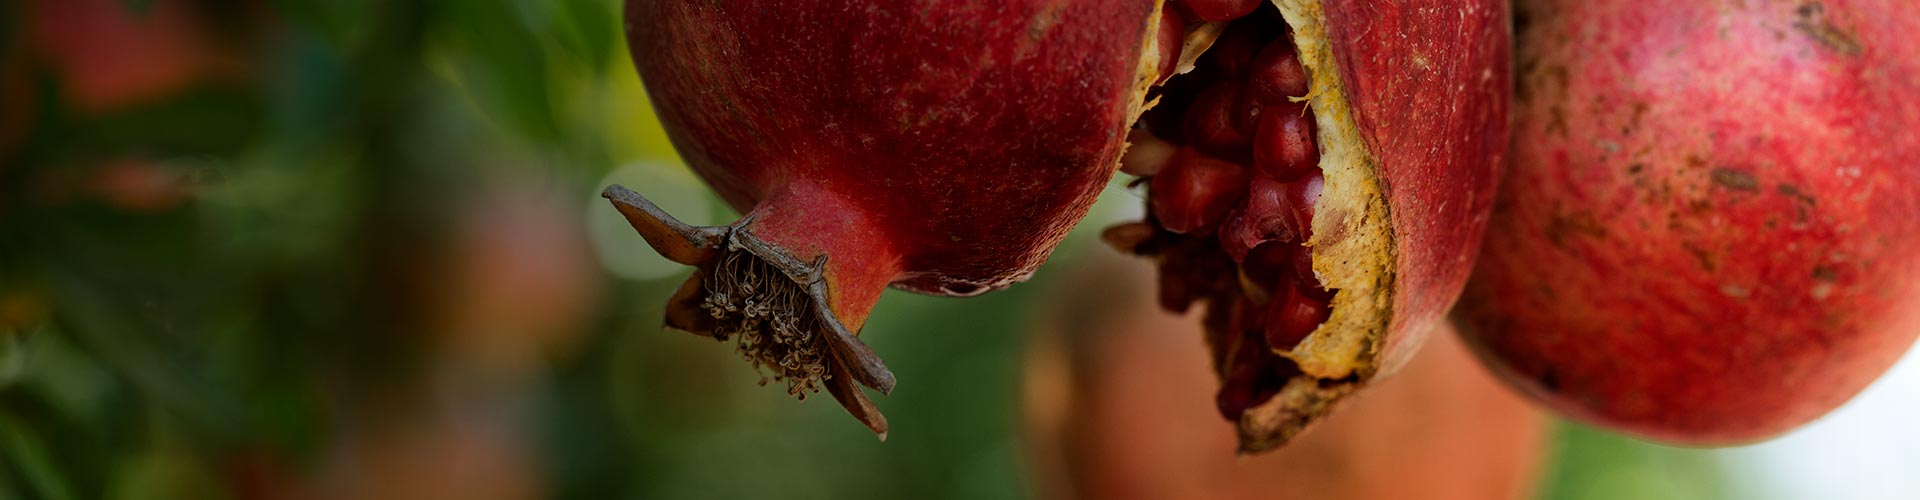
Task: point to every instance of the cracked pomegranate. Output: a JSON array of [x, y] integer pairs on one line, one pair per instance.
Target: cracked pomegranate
[[1319, 176], [945, 147], [1708, 236], [940, 147]]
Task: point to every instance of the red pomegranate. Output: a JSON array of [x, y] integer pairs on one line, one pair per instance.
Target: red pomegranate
[[941, 147], [1711, 231], [1320, 178], [1116, 409], [945, 147]]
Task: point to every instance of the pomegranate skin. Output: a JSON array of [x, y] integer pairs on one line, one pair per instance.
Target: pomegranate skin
[[940, 147], [975, 134], [1437, 129], [1710, 233]]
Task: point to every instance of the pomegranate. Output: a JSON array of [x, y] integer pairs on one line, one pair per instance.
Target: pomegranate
[[1709, 234], [941, 147], [1117, 409], [1319, 177], [945, 147]]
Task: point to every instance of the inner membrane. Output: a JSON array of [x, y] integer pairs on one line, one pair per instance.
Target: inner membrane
[[1232, 169]]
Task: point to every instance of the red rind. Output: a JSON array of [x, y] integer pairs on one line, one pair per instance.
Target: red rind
[[1430, 103], [974, 135], [941, 147]]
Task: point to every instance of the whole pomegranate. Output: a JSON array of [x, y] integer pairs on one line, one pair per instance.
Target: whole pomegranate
[[941, 147], [1320, 177], [1117, 409], [1711, 231]]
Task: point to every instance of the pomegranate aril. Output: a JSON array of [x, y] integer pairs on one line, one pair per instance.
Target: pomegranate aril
[[1268, 268], [1253, 375], [1218, 121], [1245, 387], [1195, 191], [1276, 75], [1267, 211], [1232, 53], [1293, 318], [1237, 237], [1283, 146], [1146, 153], [1222, 10], [1172, 36], [1297, 204], [1304, 279]]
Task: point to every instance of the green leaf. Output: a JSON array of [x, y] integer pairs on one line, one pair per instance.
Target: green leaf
[[29, 455]]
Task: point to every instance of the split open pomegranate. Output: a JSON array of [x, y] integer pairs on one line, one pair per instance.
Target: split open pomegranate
[[1319, 177], [1320, 172]]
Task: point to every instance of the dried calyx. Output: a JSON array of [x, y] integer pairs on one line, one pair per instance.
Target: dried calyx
[[773, 306]]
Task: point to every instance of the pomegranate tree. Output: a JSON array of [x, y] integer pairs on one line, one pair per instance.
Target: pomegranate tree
[[946, 146], [1320, 178], [1711, 230]]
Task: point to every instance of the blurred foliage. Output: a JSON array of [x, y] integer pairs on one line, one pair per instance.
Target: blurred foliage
[[346, 249]]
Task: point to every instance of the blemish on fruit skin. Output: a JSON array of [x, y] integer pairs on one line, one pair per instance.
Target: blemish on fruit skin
[[1562, 225], [1707, 262], [1557, 123], [1735, 179], [1696, 162], [1794, 192], [1812, 21], [1735, 291]]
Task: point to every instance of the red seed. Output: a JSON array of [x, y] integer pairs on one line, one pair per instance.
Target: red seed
[[1298, 204], [1218, 122], [1245, 387], [1146, 153], [1268, 211], [1276, 75], [1232, 54], [1294, 318], [1194, 192], [1268, 266], [1283, 146], [1237, 237], [1253, 374], [1172, 35], [1222, 10]]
